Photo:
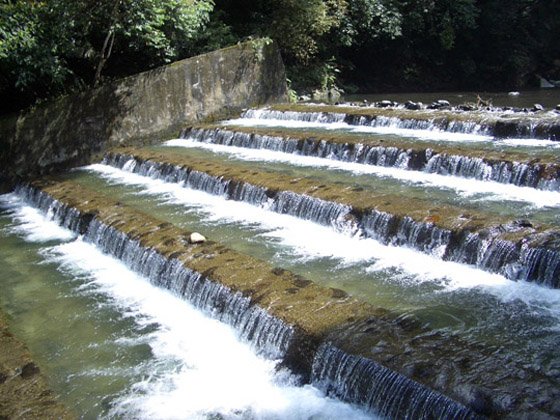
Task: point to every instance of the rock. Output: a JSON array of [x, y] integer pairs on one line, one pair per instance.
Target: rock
[[466, 107], [558, 107], [196, 238], [523, 223], [328, 95], [440, 103], [29, 370], [513, 93], [385, 103], [477, 399], [537, 107], [413, 105]]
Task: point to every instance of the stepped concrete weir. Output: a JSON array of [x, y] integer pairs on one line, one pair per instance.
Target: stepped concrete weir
[[496, 124], [517, 168], [350, 349], [404, 261], [516, 250]]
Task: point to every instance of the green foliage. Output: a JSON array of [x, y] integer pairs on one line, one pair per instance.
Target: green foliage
[[292, 94], [28, 50], [258, 45], [48, 47], [52, 46], [369, 19]]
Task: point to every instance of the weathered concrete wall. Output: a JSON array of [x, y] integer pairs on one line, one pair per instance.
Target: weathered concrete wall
[[140, 109]]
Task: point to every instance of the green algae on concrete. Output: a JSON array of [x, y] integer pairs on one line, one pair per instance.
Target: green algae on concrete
[[361, 201], [24, 392], [545, 157]]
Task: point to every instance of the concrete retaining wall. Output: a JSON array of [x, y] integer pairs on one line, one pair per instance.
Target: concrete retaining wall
[[139, 109]]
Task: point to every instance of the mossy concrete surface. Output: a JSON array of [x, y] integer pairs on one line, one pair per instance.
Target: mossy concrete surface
[[140, 109], [462, 370], [24, 393], [287, 295], [447, 216], [545, 157], [502, 122]]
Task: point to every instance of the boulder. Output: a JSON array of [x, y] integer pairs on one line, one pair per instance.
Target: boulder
[[537, 107]]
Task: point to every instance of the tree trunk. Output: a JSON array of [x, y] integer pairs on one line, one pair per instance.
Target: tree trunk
[[105, 54]]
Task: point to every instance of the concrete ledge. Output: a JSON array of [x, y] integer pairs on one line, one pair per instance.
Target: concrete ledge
[[489, 242]]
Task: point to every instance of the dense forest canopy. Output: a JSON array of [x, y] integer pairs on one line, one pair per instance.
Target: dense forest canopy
[[51, 47]]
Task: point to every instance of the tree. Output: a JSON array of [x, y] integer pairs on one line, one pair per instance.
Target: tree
[[52, 46]]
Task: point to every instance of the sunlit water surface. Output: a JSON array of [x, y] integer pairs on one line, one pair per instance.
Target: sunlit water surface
[[113, 345]]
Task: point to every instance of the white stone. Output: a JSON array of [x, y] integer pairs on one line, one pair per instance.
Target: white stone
[[196, 238]]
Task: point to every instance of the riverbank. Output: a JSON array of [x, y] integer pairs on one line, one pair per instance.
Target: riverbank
[[24, 392]]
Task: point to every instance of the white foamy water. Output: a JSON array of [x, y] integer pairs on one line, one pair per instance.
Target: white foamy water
[[30, 223], [547, 144], [467, 187], [198, 367], [306, 240], [433, 134]]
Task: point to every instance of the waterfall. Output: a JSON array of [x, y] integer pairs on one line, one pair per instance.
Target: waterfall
[[499, 127], [423, 236], [520, 174], [379, 225], [268, 334], [318, 117], [493, 255], [432, 124], [441, 124], [65, 216], [534, 175], [351, 378], [388, 393], [346, 152], [241, 139], [541, 265], [320, 211]]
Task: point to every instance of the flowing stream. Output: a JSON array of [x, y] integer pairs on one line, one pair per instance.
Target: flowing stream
[[115, 345]]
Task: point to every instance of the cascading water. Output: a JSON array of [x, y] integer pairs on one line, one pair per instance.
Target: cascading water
[[367, 383], [435, 124], [135, 351], [492, 255], [268, 334], [507, 126], [309, 208], [216, 211], [319, 117], [535, 175], [517, 248]]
